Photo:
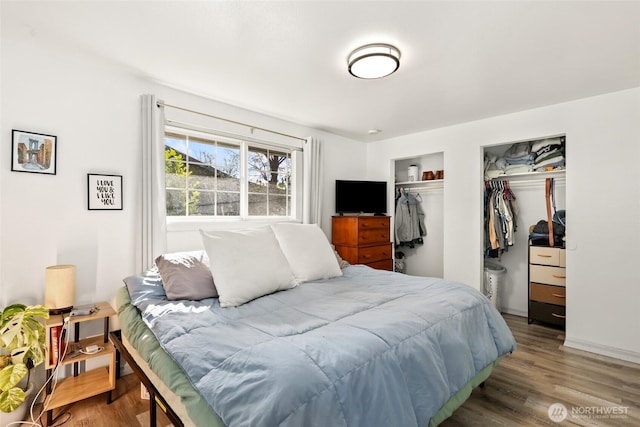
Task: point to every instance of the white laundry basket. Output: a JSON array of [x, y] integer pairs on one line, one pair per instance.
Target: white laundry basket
[[494, 275]]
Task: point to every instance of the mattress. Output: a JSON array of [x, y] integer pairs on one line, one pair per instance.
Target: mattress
[[368, 348], [160, 368]]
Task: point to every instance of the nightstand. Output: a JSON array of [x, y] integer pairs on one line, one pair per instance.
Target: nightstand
[[89, 383]]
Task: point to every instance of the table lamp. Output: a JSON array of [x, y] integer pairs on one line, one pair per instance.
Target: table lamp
[[60, 288]]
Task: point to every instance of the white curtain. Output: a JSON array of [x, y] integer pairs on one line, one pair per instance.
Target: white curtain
[[312, 198], [154, 222]]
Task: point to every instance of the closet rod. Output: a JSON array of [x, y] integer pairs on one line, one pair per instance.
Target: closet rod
[[531, 176], [433, 187], [162, 104], [518, 182]]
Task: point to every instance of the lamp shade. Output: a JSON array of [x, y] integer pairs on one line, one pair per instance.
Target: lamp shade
[[60, 288]]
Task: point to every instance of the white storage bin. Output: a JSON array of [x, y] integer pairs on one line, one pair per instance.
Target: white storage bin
[[494, 275]]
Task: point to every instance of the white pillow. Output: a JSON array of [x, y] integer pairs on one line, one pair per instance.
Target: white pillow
[[308, 251], [246, 264]]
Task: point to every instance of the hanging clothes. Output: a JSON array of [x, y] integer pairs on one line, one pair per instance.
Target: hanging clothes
[[409, 220], [501, 218]]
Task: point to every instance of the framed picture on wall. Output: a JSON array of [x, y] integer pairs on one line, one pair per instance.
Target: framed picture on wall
[[33, 152], [104, 192]]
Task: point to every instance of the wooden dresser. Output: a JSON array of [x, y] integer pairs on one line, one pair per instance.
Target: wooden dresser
[[363, 240], [547, 285]]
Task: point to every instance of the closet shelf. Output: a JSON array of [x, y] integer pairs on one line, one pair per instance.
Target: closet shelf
[[531, 175], [433, 182]]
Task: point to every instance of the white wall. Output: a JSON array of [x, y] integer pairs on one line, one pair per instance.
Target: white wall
[[602, 202], [92, 105]]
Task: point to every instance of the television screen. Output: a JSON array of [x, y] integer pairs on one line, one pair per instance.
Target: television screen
[[361, 197]]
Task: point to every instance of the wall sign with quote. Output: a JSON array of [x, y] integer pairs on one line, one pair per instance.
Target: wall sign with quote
[[33, 152], [105, 192]]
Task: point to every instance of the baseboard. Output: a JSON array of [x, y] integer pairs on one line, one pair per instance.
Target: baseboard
[[604, 350], [514, 312]]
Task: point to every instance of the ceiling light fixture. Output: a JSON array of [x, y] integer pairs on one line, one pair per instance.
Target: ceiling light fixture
[[374, 61]]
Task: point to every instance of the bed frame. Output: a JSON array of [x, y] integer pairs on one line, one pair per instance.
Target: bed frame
[[156, 400]]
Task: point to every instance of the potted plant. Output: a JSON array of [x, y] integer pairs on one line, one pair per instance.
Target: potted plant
[[22, 347]]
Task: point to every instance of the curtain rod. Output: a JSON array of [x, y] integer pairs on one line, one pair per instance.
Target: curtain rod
[[162, 104], [255, 141]]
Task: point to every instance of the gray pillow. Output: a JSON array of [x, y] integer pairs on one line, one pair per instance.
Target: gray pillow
[[343, 264], [186, 276]]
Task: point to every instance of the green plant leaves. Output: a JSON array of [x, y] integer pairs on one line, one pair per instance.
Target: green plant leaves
[[11, 375], [22, 337], [11, 399]]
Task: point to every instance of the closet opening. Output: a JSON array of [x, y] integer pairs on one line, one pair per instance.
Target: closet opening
[[516, 179], [418, 214]]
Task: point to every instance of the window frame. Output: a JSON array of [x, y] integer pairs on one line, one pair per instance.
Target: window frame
[[184, 222]]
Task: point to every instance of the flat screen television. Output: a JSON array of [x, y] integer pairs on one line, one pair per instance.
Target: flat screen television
[[361, 197]]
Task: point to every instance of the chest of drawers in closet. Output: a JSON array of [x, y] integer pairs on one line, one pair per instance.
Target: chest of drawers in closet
[[363, 240], [547, 285]]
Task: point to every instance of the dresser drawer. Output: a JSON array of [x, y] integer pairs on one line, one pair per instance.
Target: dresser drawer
[[547, 275], [545, 256], [373, 236], [373, 222], [563, 257], [549, 313], [360, 230], [547, 293], [368, 254], [386, 264]]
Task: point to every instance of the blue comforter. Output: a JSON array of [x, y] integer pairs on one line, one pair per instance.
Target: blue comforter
[[370, 348]]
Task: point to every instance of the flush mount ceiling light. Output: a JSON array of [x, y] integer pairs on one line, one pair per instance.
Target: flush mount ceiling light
[[374, 61]]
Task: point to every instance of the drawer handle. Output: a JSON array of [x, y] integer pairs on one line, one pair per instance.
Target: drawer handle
[[558, 277], [559, 316], [559, 296], [544, 256]]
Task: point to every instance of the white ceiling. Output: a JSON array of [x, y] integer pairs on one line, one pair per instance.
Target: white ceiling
[[461, 61]]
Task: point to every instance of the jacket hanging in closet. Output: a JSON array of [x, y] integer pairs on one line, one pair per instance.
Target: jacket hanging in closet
[[409, 221], [501, 212]]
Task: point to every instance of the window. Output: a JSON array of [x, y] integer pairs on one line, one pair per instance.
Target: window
[[214, 176], [269, 172]]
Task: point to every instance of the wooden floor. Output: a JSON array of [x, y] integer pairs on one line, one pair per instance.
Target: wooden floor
[[128, 409], [521, 389], [542, 372]]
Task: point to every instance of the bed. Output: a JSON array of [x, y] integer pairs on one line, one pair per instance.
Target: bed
[[334, 345]]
